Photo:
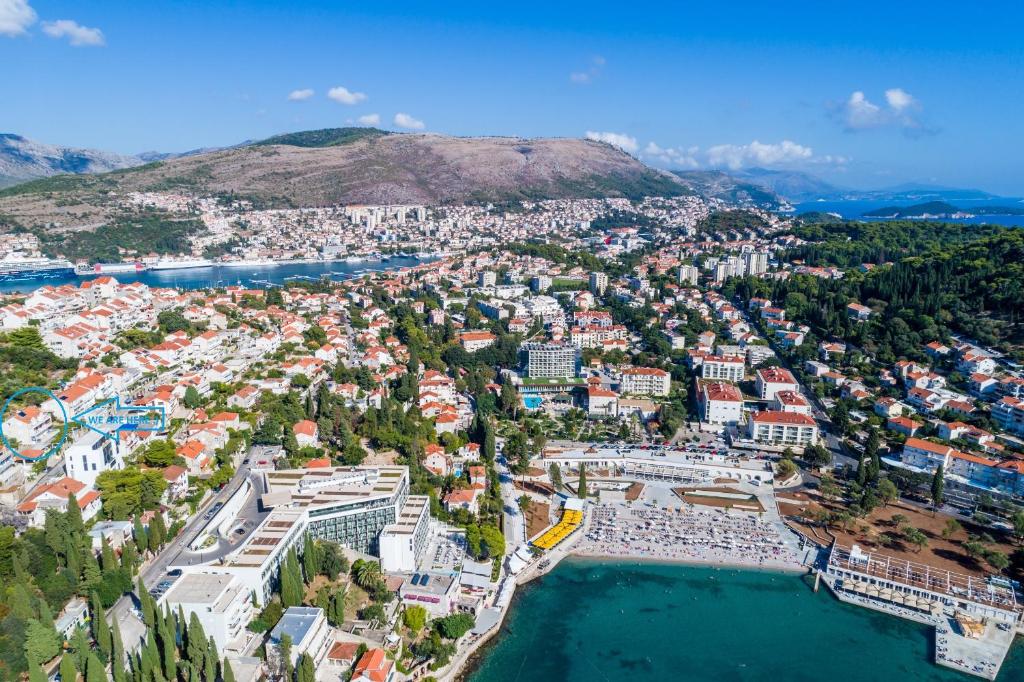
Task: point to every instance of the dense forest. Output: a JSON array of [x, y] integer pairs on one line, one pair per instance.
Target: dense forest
[[953, 279]]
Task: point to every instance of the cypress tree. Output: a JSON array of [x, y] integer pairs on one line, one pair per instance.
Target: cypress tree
[[148, 605], [141, 540], [156, 538], [210, 667], [74, 516], [196, 642], [581, 488], [310, 559], [68, 672], [108, 560], [938, 486], [95, 671], [306, 671], [129, 557], [100, 627], [117, 661], [35, 673], [229, 674]]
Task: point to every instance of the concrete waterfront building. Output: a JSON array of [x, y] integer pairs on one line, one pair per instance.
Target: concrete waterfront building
[[403, 542], [351, 506], [547, 360]]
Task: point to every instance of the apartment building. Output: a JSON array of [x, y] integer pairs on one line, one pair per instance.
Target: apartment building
[[772, 427], [222, 602], [645, 381], [719, 403], [771, 380], [722, 368]]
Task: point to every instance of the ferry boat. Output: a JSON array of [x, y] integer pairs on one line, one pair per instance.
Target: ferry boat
[[14, 268], [181, 264], [108, 268]]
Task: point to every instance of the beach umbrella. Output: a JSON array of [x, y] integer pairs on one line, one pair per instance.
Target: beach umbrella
[[885, 593]]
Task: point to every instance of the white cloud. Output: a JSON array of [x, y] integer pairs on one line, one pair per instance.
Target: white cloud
[[597, 63], [15, 17], [77, 35], [369, 120], [300, 95], [345, 96], [899, 99], [677, 159], [901, 110], [757, 153], [862, 113], [620, 140], [408, 122]]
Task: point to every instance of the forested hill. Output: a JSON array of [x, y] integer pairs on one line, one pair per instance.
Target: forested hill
[[850, 243], [942, 279]]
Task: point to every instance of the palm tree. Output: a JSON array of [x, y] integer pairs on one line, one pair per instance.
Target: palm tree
[[366, 573]]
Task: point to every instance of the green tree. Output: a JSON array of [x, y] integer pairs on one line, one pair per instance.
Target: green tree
[[555, 474], [307, 673], [998, 561], [192, 398], [228, 673], [581, 486], [454, 626], [100, 627], [291, 581], [95, 670], [284, 652], [951, 528], [414, 618], [68, 672], [938, 486], [887, 492], [310, 559], [42, 643]]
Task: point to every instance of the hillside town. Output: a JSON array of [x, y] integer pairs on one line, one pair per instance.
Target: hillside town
[[347, 480]]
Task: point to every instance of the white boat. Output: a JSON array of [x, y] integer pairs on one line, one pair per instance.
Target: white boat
[[261, 263], [108, 268], [354, 259], [181, 264]]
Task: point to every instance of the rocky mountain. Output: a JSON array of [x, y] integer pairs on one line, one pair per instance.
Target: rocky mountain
[[716, 184], [356, 165], [795, 186], [22, 159]]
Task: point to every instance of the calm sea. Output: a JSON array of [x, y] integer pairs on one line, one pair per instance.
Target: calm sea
[[252, 277], [856, 209], [590, 621]]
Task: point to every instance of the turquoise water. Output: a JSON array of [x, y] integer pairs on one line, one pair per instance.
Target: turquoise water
[[588, 622], [854, 209]]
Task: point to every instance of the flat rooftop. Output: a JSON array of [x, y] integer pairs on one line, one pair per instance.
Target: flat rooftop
[[212, 589], [297, 621]]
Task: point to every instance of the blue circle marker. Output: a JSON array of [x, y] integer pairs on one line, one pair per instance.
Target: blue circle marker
[[63, 434]]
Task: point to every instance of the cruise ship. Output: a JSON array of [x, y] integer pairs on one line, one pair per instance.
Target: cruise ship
[[181, 264], [13, 268], [108, 268]]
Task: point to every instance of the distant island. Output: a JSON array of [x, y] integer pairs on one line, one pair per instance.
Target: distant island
[[940, 209]]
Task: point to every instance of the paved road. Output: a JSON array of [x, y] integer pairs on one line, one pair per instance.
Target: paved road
[[515, 523], [176, 553]]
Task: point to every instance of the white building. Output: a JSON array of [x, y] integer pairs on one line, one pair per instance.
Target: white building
[[782, 428], [645, 381], [771, 380], [722, 368], [598, 283], [402, 543], [549, 360], [309, 631], [91, 455], [688, 274], [222, 602], [719, 403]]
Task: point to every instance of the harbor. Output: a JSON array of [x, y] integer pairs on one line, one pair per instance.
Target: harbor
[[256, 274]]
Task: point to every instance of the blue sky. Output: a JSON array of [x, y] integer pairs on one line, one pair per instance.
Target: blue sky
[[869, 94]]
